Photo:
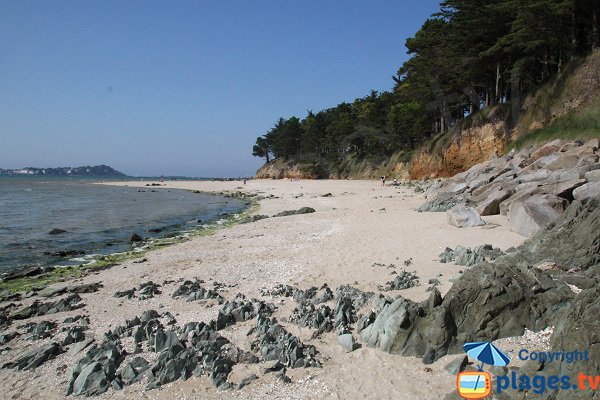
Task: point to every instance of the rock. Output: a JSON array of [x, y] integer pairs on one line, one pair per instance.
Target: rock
[[149, 315], [347, 342], [404, 280], [572, 242], [519, 196], [93, 373], [547, 149], [71, 302], [246, 381], [52, 291], [274, 342], [135, 238], [85, 288], [528, 216], [35, 357], [440, 203], [593, 176], [458, 365], [22, 273], [41, 330], [79, 347], [92, 380], [565, 161], [273, 366], [132, 372], [327, 195], [320, 318], [56, 231], [239, 311], [303, 210], [66, 253], [490, 205], [578, 330], [588, 160], [469, 257], [165, 341], [192, 291], [220, 372], [447, 256], [563, 189], [254, 218], [464, 217], [74, 335], [148, 290], [129, 293], [535, 176], [5, 338], [590, 190]]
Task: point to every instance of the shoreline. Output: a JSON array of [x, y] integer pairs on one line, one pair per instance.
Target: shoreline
[[360, 227], [80, 265]]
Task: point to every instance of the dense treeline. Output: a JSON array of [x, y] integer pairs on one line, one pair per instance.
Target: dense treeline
[[471, 55]]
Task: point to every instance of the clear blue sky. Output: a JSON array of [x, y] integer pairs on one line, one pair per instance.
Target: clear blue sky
[[183, 87]]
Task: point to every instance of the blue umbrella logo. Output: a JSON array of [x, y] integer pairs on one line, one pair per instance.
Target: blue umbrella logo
[[486, 353]]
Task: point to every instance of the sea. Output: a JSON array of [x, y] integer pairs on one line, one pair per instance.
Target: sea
[[98, 219]]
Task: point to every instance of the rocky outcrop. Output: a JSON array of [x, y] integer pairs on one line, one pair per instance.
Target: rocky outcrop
[[468, 257], [532, 187], [465, 149], [293, 169], [492, 301]]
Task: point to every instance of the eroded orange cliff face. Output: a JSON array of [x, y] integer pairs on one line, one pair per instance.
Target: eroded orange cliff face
[[472, 146]]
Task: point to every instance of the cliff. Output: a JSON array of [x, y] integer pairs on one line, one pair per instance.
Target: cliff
[[292, 169], [567, 107]]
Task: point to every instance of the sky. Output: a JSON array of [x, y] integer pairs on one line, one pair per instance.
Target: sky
[[184, 87]]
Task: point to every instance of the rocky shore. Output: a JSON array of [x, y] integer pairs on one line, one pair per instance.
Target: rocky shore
[[333, 289]]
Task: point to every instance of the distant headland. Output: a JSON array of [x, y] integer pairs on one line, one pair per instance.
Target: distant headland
[[97, 170]]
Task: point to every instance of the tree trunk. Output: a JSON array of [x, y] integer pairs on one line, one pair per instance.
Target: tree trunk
[[515, 95], [267, 156], [596, 24], [497, 97]]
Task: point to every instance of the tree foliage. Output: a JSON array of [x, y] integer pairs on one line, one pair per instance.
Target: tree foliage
[[470, 55]]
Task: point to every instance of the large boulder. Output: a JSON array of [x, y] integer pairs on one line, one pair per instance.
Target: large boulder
[[93, 380], [36, 357], [464, 217], [578, 331], [563, 189], [572, 242], [527, 217], [490, 204], [565, 161], [590, 190], [533, 176], [593, 176]]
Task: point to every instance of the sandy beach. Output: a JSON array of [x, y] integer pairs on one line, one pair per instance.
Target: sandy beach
[[358, 227]]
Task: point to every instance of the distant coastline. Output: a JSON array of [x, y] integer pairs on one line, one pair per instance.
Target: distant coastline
[[97, 170]]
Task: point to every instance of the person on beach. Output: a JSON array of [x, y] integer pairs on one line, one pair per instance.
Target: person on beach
[[244, 181], [383, 181]]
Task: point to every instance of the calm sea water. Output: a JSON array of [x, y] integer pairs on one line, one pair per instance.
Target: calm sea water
[[98, 219]]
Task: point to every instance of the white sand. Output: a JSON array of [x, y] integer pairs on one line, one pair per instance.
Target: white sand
[[361, 224]]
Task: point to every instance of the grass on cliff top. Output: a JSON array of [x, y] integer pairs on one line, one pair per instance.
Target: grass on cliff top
[[63, 274], [583, 125]]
